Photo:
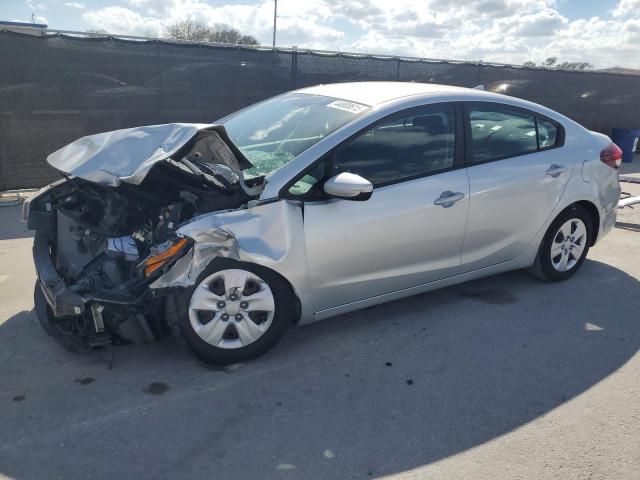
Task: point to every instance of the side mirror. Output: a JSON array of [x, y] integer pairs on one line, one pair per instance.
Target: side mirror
[[348, 186]]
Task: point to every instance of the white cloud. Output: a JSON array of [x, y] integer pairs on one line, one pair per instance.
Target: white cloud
[[36, 6], [122, 20], [510, 31], [298, 23], [626, 8], [78, 5], [540, 24], [591, 40], [506, 31]]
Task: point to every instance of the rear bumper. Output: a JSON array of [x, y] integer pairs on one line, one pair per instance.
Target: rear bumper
[[61, 299], [609, 202]]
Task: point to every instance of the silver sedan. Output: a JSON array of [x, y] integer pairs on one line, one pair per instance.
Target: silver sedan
[[308, 205]]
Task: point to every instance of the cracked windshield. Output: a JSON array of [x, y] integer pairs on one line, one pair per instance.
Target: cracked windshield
[[274, 132]]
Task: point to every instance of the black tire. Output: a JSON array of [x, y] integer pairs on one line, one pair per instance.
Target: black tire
[[543, 267], [282, 319]]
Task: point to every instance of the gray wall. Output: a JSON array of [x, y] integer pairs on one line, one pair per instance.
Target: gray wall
[[57, 88]]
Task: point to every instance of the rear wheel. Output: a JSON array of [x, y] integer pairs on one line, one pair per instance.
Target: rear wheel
[[565, 245], [235, 312]]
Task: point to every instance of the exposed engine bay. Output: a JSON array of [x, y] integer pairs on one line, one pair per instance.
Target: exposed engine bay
[[99, 246]]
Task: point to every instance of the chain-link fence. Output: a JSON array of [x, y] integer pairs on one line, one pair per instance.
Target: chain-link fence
[[56, 88]]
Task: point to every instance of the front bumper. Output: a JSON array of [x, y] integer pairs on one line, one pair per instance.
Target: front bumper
[[61, 299]]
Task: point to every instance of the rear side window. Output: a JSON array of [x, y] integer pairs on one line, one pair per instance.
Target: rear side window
[[403, 147], [547, 133], [498, 132]]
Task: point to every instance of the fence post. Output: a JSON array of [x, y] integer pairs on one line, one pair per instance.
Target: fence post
[[2, 182], [4, 120], [294, 67]]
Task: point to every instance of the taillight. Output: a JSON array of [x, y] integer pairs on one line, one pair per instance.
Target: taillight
[[612, 156]]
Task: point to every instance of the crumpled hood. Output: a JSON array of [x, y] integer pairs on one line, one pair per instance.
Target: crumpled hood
[[127, 155]]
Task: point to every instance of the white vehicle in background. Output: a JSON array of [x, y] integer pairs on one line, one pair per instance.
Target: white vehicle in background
[[311, 204]]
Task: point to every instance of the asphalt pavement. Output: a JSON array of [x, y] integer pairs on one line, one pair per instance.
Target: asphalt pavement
[[502, 378]]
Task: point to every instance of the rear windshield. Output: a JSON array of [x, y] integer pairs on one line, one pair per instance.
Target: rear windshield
[[273, 132]]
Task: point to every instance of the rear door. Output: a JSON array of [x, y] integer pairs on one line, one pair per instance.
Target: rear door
[[517, 173]]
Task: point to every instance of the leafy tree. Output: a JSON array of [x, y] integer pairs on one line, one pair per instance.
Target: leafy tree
[[529, 63]]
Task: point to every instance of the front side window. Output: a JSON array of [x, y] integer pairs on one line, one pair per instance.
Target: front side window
[[403, 147], [498, 132], [308, 185], [273, 132]]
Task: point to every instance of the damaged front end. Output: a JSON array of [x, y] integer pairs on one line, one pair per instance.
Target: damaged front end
[[109, 230]]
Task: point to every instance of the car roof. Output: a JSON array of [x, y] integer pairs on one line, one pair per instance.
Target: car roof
[[374, 93]]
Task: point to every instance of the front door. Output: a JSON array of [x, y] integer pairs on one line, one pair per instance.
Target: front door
[[410, 231]]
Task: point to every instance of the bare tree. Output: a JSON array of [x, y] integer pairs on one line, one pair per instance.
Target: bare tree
[[223, 33], [575, 65], [200, 32], [553, 62], [188, 30]]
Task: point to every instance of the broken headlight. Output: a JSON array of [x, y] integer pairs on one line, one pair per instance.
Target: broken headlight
[[165, 254]]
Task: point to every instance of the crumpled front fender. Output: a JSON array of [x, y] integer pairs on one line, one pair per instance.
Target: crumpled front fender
[[271, 235]]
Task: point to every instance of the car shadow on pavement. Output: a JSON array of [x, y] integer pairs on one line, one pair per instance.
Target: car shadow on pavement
[[633, 227], [381, 391]]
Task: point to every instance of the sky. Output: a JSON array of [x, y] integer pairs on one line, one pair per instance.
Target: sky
[[605, 33]]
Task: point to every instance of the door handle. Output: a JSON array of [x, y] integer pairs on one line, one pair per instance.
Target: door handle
[[448, 198], [555, 170]]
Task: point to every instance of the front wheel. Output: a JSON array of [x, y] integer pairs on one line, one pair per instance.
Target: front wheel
[[234, 313], [565, 245]]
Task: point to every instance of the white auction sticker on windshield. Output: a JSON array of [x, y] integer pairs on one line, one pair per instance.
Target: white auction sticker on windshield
[[347, 106]]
